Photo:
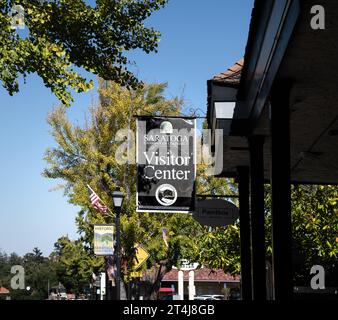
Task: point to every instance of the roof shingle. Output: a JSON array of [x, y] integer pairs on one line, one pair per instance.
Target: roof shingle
[[3, 290], [203, 274], [232, 75]]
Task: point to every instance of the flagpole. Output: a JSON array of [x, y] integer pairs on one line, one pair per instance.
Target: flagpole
[[107, 263]]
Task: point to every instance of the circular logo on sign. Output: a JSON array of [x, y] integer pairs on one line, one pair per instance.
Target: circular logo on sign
[[166, 194]]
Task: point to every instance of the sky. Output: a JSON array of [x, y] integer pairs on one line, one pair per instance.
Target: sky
[[199, 39]]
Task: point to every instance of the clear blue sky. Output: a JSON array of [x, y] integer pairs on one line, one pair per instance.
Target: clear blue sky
[[199, 39]]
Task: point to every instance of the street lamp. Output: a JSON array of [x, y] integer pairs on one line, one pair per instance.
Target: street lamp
[[118, 201], [118, 197]]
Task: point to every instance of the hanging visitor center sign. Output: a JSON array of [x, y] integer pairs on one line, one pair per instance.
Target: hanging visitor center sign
[[166, 164]]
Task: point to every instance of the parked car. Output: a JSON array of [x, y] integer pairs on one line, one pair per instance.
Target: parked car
[[167, 297], [235, 296], [209, 297]]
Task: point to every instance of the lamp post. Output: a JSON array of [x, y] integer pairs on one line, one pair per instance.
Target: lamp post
[[118, 201]]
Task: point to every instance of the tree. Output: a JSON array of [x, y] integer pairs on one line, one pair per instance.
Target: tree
[[86, 155], [6, 263], [39, 274], [314, 230], [184, 233], [4, 270], [66, 34], [219, 246], [74, 265]]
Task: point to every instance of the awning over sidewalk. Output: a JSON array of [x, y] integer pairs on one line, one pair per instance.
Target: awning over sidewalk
[[279, 115], [307, 59]]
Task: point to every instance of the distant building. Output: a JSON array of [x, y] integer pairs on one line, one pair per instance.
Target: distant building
[[207, 281], [3, 290]]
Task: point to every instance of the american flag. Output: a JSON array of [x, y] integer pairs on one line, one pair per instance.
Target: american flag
[[96, 201]]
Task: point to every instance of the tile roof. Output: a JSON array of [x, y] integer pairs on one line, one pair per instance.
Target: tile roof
[[203, 274], [3, 290], [232, 75]]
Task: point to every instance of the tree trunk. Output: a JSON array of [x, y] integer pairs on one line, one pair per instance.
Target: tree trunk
[[152, 292]]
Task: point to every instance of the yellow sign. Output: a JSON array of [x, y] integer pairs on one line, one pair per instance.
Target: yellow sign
[[141, 257], [136, 274]]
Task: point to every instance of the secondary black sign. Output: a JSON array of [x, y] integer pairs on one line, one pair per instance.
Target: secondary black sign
[[166, 164], [216, 212]]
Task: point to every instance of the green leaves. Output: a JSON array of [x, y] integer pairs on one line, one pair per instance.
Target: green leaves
[[67, 34], [316, 213], [74, 265], [220, 249], [315, 228], [86, 155]]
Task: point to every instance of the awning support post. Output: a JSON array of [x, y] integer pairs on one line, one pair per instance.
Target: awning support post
[[281, 192], [244, 216], [256, 144]]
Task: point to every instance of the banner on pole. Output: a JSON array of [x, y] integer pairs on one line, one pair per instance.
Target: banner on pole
[[166, 164], [103, 240]]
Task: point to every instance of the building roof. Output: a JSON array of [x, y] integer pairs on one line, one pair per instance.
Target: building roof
[[232, 75], [3, 290], [203, 274], [167, 289], [229, 79]]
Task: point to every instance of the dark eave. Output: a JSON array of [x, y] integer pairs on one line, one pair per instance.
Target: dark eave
[[282, 46], [271, 28]]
